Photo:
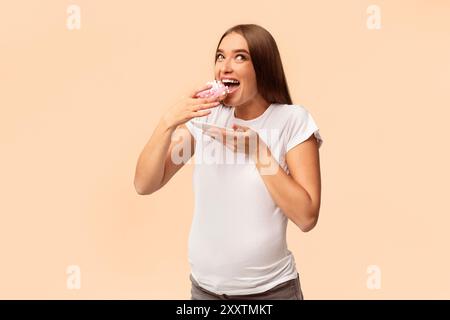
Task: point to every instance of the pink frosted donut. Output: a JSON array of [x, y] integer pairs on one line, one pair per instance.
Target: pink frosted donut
[[217, 89]]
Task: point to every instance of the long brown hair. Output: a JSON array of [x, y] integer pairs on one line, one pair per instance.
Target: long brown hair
[[270, 78]]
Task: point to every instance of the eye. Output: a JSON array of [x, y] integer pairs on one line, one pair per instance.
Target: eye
[[220, 56]]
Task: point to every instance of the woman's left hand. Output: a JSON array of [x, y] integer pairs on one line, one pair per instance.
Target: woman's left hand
[[242, 139]]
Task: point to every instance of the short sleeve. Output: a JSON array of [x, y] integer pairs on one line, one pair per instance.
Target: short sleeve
[[300, 127], [196, 132]]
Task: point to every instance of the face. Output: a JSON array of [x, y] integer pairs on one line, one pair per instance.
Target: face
[[233, 61]]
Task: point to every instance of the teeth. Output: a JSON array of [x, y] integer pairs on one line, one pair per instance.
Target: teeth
[[229, 81]]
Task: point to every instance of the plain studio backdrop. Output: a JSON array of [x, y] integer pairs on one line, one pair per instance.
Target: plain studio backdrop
[[78, 106]]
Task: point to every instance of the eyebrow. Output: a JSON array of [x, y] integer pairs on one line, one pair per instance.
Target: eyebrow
[[237, 50]]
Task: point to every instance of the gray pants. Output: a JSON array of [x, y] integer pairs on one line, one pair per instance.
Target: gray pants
[[289, 290]]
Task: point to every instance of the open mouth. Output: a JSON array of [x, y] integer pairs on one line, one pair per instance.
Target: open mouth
[[231, 84]]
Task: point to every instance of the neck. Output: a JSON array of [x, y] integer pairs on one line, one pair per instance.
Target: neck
[[251, 109]]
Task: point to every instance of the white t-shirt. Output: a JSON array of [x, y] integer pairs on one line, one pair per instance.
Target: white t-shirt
[[237, 241]]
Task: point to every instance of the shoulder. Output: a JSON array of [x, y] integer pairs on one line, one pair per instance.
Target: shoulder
[[290, 110], [300, 126], [291, 113]]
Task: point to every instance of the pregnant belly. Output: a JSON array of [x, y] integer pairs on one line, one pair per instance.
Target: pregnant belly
[[236, 251]]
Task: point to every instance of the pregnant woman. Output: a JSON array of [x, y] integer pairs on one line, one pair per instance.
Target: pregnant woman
[[249, 179]]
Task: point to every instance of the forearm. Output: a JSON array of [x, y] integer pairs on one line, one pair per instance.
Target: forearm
[[150, 167], [290, 196]]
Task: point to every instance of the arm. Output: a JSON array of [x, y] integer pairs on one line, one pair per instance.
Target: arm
[[297, 194], [155, 166]]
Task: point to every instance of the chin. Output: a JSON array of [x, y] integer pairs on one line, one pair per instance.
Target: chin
[[230, 103]]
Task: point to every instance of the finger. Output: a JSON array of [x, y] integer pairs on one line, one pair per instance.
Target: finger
[[231, 146], [224, 134], [214, 135], [209, 99], [212, 132], [239, 128], [205, 106], [200, 113], [233, 135]]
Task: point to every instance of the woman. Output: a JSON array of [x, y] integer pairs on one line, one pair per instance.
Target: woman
[[248, 181]]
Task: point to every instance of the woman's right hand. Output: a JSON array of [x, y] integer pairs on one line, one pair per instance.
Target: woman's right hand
[[191, 107]]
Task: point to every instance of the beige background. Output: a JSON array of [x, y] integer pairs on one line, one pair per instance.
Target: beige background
[[78, 106]]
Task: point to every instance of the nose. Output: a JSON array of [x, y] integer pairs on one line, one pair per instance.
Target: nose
[[226, 66]]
